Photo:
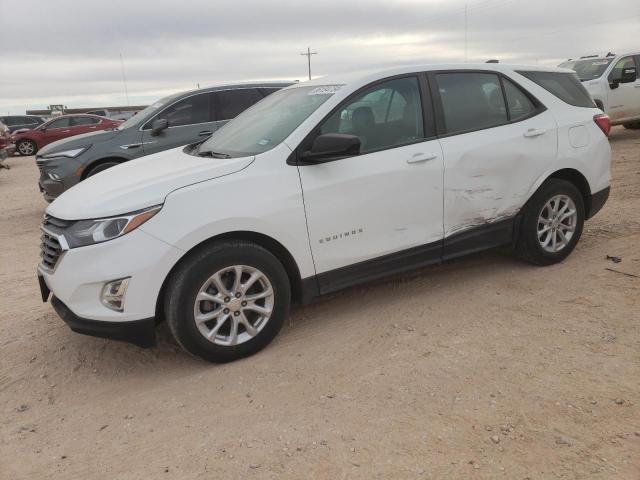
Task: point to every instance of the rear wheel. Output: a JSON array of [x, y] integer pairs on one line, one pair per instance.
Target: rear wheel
[[632, 126], [100, 168], [227, 301], [27, 147], [552, 223]]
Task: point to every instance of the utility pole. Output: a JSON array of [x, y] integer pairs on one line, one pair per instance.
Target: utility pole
[[308, 55], [124, 79], [466, 28]]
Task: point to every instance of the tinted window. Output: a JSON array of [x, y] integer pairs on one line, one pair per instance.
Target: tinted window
[[565, 86], [77, 121], [386, 115], [471, 101], [588, 69], [519, 104], [60, 123], [229, 103], [616, 71], [31, 120], [188, 111]]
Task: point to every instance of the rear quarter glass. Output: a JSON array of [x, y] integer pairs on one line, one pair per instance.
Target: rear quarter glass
[[565, 86]]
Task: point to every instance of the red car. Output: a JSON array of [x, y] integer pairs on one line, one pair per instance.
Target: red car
[[28, 142]]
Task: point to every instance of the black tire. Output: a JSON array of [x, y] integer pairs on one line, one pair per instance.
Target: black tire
[[100, 168], [632, 126], [191, 275], [26, 147], [528, 247]]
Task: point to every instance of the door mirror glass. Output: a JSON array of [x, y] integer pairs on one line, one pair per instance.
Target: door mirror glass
[[331, 146], [629, 75], [158, 125]]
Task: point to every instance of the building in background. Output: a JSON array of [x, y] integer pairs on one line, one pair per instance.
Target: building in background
[[115, 113]]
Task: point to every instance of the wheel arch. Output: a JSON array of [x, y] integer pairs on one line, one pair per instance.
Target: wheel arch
[[100, 161], [301, 290], [581, 183]]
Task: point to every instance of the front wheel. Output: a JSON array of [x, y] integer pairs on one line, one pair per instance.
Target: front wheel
[[27, 147], [552, 223], [100, 168], [227, 301]]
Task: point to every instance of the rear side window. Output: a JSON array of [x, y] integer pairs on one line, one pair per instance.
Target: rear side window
[[77, 121], [519, 104], [471, 101], [565, 86], [229, 103]]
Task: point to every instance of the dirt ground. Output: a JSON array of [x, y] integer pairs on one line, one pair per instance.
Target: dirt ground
[[484, 367]]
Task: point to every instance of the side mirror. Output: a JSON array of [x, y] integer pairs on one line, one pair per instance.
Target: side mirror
[[332, 146], [158, 125]]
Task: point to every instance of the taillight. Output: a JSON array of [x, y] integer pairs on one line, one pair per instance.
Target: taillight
[[604, 122]]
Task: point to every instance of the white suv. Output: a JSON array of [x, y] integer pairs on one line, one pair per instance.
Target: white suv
[[613, 83], [324, 185]]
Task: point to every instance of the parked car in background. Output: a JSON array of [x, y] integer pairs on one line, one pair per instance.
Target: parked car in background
[[29, 142], [173, 121], [6, 147], [614, 84], [20, 122], [296, 197]]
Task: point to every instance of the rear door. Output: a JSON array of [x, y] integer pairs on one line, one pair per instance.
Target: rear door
[[190, 119], [84, 125], [497, 141]]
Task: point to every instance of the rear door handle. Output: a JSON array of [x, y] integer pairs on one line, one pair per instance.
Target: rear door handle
[[422, 157], [205, 133], [534, 132]]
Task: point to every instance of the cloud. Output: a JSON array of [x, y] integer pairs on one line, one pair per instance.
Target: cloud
[[70, 52]]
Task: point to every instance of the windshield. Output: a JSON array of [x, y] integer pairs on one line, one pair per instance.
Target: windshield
[[144, 114], [267, 123], [588, 69]]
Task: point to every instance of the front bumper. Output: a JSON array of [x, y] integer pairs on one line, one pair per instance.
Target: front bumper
[[140, 332], [79, 275], [65, 168]]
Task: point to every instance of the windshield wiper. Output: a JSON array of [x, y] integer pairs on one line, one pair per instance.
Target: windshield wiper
[[212, 154]]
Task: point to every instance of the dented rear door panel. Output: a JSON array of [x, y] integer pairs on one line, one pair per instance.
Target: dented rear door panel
[[489, 174]]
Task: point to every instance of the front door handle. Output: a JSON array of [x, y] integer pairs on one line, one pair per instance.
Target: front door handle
[[422, 157], [534, 132], [205, 133]]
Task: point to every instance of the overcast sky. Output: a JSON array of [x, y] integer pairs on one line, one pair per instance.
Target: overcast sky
[[68, 51]]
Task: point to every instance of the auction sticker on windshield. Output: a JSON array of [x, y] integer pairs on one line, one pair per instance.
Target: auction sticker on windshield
[[326, 90]]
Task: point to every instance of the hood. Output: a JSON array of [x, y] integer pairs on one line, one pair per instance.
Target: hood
[[76, 141], [139, 184]]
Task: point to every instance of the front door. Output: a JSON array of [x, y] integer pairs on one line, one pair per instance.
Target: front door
[[57, 130], [624, 100], [381, 210], [497, 142], [190, 119]]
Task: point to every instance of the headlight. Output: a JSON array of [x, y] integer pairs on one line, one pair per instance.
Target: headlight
[[73, 153], [89, 232]]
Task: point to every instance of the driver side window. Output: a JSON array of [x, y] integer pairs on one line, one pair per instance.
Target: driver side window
[[385, 115], [616, 72]]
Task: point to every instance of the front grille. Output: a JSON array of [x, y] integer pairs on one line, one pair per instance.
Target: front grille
[[39, 163], [50, 248], [50, 251]]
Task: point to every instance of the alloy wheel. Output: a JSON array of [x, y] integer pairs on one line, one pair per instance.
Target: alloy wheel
[[557, 223], [26, 148], [233, 305]]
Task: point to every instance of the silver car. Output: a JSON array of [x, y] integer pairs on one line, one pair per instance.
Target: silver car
[[173, 121]]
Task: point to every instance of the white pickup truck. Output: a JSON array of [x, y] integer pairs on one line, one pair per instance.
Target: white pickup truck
[[613, 82]]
